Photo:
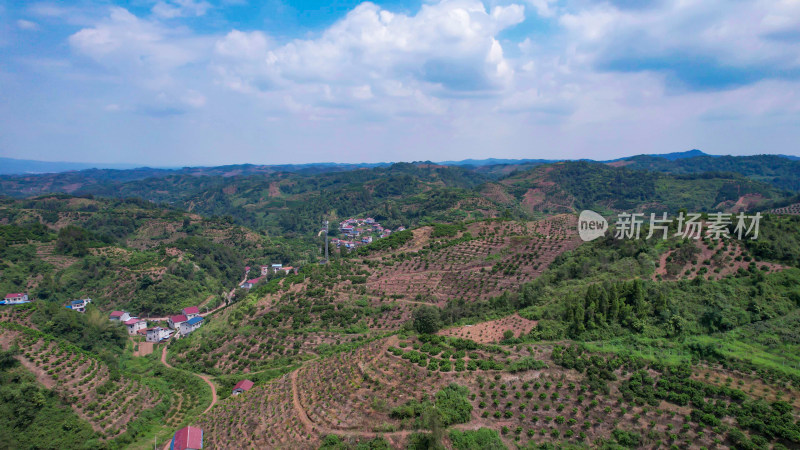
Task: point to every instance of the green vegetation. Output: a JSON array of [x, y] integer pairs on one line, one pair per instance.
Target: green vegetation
[[775, 170], [427, 319], [34, 417], [483, 438], [333, 442], [627, 331]]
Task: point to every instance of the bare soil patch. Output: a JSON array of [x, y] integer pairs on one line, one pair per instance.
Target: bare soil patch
[[492, 331]]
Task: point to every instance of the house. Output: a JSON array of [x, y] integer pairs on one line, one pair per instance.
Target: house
[[246, 269], [367, 239], [187, 438], [275, 267], [401, 228], [157, 334], [191, 325], [346, 230], [288, 269], [135, 324], [242, 386], [250, 283], [192, 311], [119, 316], [79, 305], [369, 220], [175, 321], [265, 270], [13, 299]]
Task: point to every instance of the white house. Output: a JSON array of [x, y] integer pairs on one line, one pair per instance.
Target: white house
[[16, 298], [175, 321], [157, 334], [191, 325], [79, 305], [135, 324], [119, 316]]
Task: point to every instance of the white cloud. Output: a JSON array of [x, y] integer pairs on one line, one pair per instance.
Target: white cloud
[[704, 43], [446, 47], [170, 9], [27, 25], [596, 80], [145, 54], [544, 7]]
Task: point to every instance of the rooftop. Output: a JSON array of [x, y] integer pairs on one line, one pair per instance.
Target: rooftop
[[194, 320]]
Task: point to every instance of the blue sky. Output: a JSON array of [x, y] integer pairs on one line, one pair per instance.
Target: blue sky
[[205, 82]]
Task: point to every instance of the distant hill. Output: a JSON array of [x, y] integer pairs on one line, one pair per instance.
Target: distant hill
[[496, 161], [27, 166], [669, 156], [778, 171]]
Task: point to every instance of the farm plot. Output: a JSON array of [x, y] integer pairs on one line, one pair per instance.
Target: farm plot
[[492, 331], [357, 390], [495, 256], [264, 417], [105, 400], [19, 314], [792, 210], [709, 259]]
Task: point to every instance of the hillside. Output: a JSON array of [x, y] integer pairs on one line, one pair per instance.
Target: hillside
[[487, 323], [778, 171], [122, 254]]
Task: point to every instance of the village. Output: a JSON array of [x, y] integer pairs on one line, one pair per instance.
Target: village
[[357, 232]]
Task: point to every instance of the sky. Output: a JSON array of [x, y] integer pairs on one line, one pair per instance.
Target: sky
[[210, 82]]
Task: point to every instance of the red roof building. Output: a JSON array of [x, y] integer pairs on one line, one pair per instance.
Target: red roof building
[[16, 295], [175, 321], [187, 438], [191, 310], [242, 386], [116, 314]]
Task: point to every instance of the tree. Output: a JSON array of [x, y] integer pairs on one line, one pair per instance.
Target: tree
[[427, 319]]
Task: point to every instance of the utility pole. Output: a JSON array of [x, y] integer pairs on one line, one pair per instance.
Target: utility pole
[[326, 241]]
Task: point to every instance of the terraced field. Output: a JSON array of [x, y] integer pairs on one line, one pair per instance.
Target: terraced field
[[494, 257], [567, 397], [492, 331], [106, 400], [710, 259]]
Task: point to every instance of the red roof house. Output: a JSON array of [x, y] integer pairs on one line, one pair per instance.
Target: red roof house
[[187, 438], [175, 321], [191, 310], [242, 386]]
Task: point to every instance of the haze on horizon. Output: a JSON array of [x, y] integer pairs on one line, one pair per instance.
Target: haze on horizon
[[195, 82]]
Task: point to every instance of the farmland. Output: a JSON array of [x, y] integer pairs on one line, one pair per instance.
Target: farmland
[[487, 324]]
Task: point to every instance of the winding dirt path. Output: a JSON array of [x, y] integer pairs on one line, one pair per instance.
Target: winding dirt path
[[311, 427], [203, 377]]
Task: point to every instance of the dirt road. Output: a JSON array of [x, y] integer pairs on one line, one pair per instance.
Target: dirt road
[[203, 377]]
